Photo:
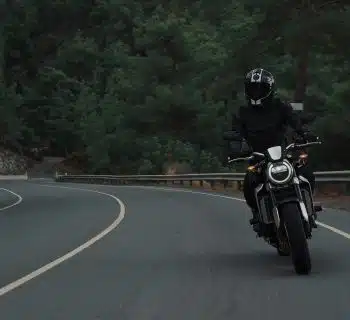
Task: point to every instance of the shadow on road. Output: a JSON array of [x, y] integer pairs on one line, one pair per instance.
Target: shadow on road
[[261, 264], [269, 263]]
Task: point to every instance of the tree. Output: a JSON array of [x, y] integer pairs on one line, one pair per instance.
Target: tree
[[127, 82]]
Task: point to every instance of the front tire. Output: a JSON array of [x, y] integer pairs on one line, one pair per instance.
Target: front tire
[[297, 239]]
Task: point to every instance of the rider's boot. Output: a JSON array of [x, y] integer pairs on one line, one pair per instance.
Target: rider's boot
[[313, 219]]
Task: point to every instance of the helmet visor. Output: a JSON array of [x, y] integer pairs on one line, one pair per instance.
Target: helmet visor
[[257, 90]]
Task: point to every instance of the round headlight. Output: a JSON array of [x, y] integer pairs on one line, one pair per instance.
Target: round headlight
[[280, 173]]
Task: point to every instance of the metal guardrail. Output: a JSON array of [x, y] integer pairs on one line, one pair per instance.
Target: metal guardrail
[[11, 177], [321, 176]]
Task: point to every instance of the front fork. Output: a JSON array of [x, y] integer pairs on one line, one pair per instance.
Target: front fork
[[309, 221]]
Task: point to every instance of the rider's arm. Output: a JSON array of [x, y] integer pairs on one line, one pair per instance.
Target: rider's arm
[[238, 124], [293, 120]]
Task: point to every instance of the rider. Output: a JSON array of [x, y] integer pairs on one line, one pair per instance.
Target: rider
[[262, 124]]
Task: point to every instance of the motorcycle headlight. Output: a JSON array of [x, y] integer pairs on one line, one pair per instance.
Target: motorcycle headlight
[[280, 173]]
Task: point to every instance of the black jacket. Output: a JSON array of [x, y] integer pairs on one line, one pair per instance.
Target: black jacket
[[264, 127]]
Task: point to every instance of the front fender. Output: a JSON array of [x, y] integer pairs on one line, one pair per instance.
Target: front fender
[[301, 206]]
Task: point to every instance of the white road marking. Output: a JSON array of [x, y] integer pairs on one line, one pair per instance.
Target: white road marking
[[20, 199], [321, 224], [335, 230], [13, 285]]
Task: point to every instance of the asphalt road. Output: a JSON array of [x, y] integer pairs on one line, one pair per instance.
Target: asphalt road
[[174, 255]]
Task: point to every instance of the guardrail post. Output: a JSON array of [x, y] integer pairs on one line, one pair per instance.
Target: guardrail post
[[347, 188]]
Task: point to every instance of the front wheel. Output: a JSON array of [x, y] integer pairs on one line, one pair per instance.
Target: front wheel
[[297, 239]]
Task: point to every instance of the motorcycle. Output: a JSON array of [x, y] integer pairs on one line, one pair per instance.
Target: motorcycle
[[287, 212]]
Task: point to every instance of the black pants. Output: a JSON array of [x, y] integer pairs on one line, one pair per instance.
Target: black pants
[[252, 180]]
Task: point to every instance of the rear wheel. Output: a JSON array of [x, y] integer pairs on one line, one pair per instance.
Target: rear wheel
[[283, 249], [297, 239]]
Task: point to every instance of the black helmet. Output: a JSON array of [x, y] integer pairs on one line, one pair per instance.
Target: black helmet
[[259, 86]]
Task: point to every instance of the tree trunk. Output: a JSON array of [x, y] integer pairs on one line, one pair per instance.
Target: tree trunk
[[302, 71]]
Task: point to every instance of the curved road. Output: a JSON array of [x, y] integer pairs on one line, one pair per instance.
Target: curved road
[[169, 255]]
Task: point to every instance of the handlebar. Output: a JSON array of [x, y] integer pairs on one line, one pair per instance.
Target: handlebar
[[258, 155], [302, 145], [255, 155]]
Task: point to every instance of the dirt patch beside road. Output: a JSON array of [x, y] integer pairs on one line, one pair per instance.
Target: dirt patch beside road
[[331, 201]]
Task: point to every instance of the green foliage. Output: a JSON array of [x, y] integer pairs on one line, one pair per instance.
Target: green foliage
[[136, 84]]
